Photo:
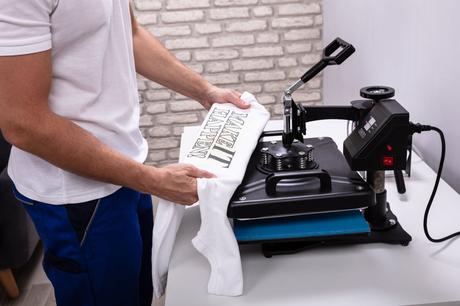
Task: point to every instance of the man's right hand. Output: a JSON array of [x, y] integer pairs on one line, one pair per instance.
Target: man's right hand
[[177, 183]]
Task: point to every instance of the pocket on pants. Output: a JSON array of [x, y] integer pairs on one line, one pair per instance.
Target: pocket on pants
[[70, 280]]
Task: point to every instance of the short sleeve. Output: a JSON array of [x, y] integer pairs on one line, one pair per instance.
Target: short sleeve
[[25, 26]]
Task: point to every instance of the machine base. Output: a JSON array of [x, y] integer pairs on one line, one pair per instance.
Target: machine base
[[393, 235]]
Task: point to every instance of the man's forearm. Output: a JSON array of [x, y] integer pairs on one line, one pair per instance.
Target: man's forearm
[[79, 152], [156, 63]]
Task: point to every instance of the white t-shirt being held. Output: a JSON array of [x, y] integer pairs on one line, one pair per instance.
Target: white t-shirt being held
[[93, 85]]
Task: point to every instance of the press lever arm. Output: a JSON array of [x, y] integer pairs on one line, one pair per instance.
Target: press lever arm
[[334, 54]]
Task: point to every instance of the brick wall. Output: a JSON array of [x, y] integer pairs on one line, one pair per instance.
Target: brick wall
[[261, 46]]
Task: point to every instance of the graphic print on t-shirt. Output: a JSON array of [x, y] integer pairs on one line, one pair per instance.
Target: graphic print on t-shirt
[[218, 136]]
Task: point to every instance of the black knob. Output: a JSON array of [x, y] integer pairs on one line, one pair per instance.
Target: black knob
[[377, 93]]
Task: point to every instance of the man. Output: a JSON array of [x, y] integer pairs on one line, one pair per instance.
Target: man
[[69, 106]]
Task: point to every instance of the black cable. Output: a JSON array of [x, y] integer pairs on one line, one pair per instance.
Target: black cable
[[418, 128]]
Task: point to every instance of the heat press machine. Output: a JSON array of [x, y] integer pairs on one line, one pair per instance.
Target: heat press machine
[[301, 192]]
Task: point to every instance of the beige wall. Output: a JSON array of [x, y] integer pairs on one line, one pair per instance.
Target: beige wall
[[256, 45]]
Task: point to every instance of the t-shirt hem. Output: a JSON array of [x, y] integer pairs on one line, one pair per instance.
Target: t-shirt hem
[[69, 199], [25, 49]]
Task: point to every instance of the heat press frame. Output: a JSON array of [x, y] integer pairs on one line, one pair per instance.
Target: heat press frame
[[379, 142]]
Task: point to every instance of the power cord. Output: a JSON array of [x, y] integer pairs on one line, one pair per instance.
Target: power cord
[[418, 128]]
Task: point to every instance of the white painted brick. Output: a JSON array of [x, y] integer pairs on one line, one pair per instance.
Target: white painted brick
[[228, 13], [287, 62], [299, 48], [315, 83], [144, 132], [268, 38], [141, 84], [264, 76], [157, 155], [198, 68], [233, 40], [186, 4], [182, 16], [178, 130], [145, 120], [156, 108], [249, 87], [166, 162], [261, 11], [247, 26], [178, 96], [170, 31], [307, 96], [146, 18], [147, 5], [226, 78], [277, 87], [262, 51], [208, 28], [297, 72], [318, 19], [173, 154], [173, 118], [160, 131], [318, 46], [156, 95], [278, 109], [310, 59], [299, 9], [302, 34], [276, 1], [217, 67], [163, 143], [254, 64], [153, 85], [185, 105], [183, 56], [187, 43], [265, 100], [209, 55], [234, 2], [292, 22]]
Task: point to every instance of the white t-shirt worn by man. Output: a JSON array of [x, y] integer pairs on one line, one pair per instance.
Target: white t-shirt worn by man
[[93, 85]]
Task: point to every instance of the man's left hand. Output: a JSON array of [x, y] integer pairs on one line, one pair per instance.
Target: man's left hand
[[222, 95]]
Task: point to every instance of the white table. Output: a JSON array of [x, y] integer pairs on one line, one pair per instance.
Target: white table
[[372, 274]]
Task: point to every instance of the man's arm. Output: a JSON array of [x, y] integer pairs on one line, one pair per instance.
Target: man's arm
[[156, 63], [27, 122]]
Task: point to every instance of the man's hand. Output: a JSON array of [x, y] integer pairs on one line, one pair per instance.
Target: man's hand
[[177, 183], [221, 95]]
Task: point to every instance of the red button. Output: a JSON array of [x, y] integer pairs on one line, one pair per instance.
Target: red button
[[389, 148], [388, 161]]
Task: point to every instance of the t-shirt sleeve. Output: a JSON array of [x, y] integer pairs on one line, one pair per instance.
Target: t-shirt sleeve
[[25, 26]]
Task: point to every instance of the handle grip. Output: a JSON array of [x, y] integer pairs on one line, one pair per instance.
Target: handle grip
[[347, 50], [273, 179], [329, 58]]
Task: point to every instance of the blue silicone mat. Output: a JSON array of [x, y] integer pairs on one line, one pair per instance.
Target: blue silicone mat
[[316, 225]]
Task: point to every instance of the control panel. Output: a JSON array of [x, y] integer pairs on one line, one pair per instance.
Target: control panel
[[380, 140]]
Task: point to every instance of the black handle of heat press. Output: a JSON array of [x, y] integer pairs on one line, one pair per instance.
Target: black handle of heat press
[[399, 178], [347, 50], [329, 59], [273, 179]]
